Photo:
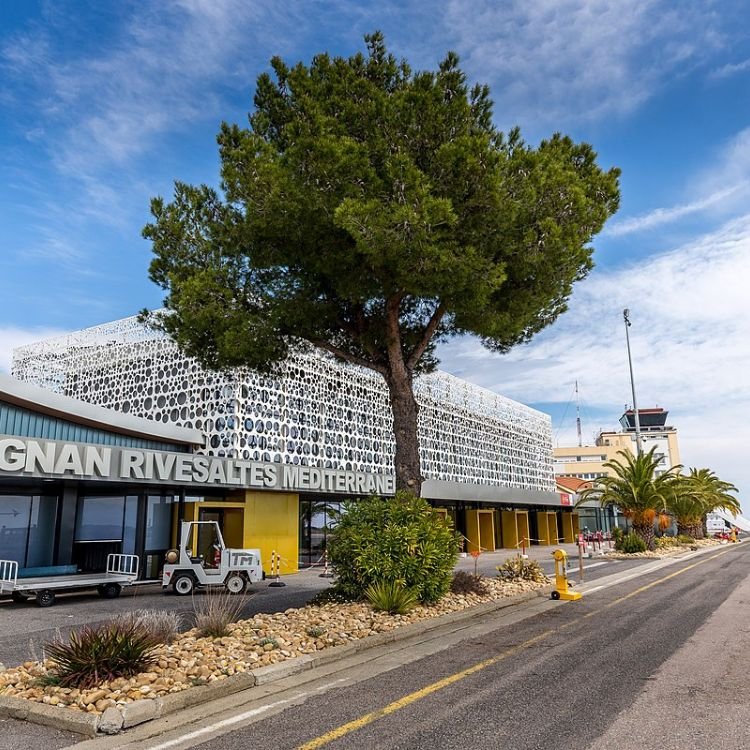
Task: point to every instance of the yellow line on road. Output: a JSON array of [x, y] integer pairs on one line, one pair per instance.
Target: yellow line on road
[[397, 705]]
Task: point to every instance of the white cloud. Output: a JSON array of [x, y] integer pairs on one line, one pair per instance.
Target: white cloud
[[558, 60], [730, 69], [721, 188], [12, 337], [661, 216], [690, 340], [157, 75]]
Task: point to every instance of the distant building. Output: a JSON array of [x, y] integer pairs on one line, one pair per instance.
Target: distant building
[[587, 462]]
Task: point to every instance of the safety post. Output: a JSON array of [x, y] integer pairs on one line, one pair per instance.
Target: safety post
[[580, 557], [562, 590], [275, 568], [326, 571]]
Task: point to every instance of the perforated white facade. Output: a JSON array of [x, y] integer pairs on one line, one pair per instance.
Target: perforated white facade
[[315, 412]]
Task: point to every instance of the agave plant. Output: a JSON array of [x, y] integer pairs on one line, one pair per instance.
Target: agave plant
[[636, 490], [100, 653], [391, 596]]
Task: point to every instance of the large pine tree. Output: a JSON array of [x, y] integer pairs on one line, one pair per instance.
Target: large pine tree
[[373, 211]]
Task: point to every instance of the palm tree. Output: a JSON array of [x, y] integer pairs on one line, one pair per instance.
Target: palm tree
[[697, 494], [636, 490]]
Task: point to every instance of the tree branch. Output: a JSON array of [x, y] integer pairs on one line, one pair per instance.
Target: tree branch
[[429, 332], [347, 357]]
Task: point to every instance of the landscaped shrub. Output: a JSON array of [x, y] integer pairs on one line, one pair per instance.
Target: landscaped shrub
[[617, 536], [518, 569], [666, 542], [216, 611], [162, 626], [96, 654], [466, 583], [685, 539], [632, 543], [402, 539], [390, 596]]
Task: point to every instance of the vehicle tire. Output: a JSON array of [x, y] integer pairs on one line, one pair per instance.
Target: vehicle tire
[[18, 597], [183, 584], [45, 598], [235, 583], [109, 590], [555, 595]]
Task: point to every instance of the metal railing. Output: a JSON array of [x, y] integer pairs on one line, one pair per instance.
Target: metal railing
[[8, 575], [126, 565]]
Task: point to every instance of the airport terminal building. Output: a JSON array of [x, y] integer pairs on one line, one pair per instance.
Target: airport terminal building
[[110, 435]]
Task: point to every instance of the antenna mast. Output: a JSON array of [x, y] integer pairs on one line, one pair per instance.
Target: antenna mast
[[578, 417]]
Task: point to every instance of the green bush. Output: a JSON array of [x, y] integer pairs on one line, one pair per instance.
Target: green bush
[[402, 539], [466, 583], [391, 596], [632, 543], [685, 539], [100, 653], [617, 536], [518, 569]]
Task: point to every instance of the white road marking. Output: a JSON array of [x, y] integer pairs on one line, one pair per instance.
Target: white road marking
[[239, 718]]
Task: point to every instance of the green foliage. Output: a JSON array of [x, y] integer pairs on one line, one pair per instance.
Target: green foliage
[[466, 583], [685, 539], [100, 653], [518, 569], [391, 596], [215, 611], [636, 490], [697, 494], [666, 542], [315, 631], [402, 539], [618, 534], [632, 543], [373, 211]]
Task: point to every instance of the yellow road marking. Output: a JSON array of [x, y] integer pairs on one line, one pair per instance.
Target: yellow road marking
[[397, 705]]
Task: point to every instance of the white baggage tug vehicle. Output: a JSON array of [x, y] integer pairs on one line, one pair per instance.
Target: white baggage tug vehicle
[[122, 570], [234, 569]]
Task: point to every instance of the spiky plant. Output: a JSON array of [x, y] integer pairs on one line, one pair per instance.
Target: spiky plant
[[391, 596], [517, 568], [162, 625], [96, 654], [216, 611]]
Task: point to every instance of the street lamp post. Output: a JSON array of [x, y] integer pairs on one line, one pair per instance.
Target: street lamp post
[[638, 446]]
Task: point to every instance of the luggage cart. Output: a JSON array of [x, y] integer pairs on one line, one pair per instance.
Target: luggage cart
[[122, 570]]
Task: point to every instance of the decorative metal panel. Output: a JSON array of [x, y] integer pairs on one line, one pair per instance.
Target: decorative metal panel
[[315, 412]]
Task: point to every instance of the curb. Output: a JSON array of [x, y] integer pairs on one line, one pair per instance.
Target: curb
[[127, 715]]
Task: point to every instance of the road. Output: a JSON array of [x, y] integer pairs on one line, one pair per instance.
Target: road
[[638, 665]]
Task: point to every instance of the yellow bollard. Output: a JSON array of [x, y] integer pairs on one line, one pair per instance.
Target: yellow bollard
[[562, 590]]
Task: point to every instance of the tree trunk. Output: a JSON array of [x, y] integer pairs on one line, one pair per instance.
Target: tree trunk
[[405, 410], [683, 529], [645, 530], [399, 376]]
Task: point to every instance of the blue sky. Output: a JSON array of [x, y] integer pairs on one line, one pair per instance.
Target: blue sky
[[103, 105]]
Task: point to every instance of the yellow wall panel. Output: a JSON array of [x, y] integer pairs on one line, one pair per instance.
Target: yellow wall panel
[[271, 522]]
